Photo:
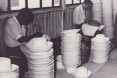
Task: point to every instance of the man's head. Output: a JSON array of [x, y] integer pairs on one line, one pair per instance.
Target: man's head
[[87, 4], [25, 16]]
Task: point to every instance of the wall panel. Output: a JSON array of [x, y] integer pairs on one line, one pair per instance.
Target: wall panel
[[47, 22], [68, 19], [2, 46]]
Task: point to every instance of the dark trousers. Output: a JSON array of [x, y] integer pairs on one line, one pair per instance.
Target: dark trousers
[[17, 57]]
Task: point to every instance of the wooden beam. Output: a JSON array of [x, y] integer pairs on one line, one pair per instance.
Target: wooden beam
[[62, 18]]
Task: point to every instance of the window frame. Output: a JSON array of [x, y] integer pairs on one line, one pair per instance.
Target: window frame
[[40, 8], [26, 6], [73, 3]]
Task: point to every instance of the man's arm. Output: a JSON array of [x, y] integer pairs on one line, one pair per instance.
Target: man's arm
[[28, 38]]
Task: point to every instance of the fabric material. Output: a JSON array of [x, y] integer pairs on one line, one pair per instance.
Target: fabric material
[[89, 30], [78, 26], [79, 15], [13, 31]]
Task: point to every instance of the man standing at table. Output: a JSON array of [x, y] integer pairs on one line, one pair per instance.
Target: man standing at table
[[82, 13]]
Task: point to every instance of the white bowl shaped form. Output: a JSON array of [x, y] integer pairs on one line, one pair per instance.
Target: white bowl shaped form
[[60, 65], [98, 40], [35, 56], [70, 69], [40, 49], [100, 37], [14, 69], [59, 58], [82, 72], [5, 64], [72, 31], [37, 42]]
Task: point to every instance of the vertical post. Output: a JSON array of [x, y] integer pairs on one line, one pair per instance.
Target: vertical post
[[52, 3], [63, 9], [26, 3], [9, 5], [41, 4]]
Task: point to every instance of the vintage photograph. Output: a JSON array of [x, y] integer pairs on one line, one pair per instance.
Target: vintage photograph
[[58, 39]]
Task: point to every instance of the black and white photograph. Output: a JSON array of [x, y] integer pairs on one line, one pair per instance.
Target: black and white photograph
[[58, 38]]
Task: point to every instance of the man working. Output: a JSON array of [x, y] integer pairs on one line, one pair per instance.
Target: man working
[[81, 15], [15, 30]]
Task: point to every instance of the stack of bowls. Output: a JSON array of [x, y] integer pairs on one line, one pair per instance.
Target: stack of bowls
[[71, 49], [114, 3], [8, 70], [100, 48], [96, 10], [40, 58], [107, 17]]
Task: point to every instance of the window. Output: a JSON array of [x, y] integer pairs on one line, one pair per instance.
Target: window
[[57, 2], [3, 5], [46, 3], [67, 2], [82, 1], [17, 4], [32, 4], [76, 1], [10, 5]]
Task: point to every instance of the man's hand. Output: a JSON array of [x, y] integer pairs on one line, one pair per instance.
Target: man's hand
[[101, 27], [46, 37], [86, 20]]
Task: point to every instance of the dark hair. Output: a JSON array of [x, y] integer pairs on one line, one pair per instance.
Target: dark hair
[[26, 16], [88, 2]]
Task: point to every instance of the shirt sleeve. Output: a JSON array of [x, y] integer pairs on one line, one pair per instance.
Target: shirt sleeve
[[13, 29]]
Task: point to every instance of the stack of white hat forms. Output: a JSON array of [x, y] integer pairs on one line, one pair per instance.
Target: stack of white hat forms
[[40, 58], [71, 49], [100, 48], [8, 70], [107, 17], [114, 3], [96, 10]]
